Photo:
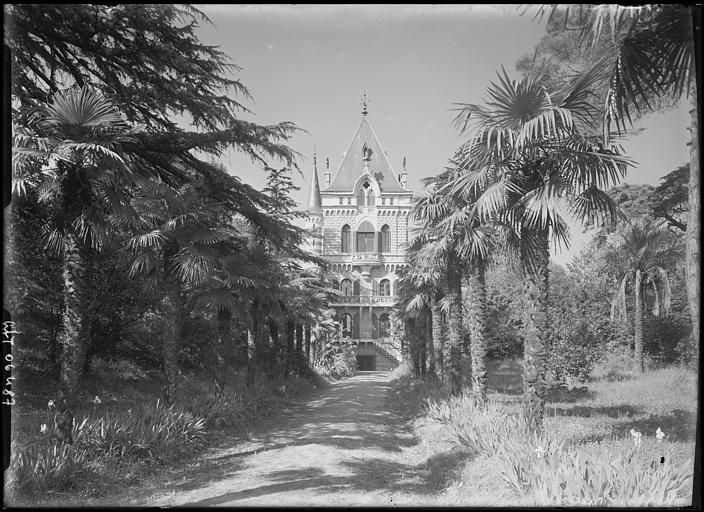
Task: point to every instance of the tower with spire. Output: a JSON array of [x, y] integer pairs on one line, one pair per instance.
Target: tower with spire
[[362, 219], [314, 218]]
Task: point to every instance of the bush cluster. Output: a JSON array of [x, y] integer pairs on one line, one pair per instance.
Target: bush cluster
[[336, 360]]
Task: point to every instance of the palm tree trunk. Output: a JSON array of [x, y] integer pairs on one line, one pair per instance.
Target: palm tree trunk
[[535, 293], [172, 318], [478, 329], [71, 337], [306, 335], [437, 335], [638, 316], [290, 337], [430, 348], [692, 235], [224, 334], [454, 289]]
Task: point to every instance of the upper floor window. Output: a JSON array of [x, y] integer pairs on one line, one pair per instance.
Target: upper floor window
[[365, 237], [342, 200], [391, 201], [383, 201], [371, 198], [360, 198], [385, 239], [346, 287], [385, 288], [349, 199], [346, 239]]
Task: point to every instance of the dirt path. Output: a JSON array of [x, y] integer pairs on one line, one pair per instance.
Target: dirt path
[[341, 448]]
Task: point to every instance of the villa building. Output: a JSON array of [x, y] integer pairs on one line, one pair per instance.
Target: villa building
[[361, 218]]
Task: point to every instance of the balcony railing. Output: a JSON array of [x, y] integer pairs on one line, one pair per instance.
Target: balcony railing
[[374, 300]]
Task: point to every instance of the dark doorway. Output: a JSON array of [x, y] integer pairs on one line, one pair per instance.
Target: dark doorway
[[366, 363]]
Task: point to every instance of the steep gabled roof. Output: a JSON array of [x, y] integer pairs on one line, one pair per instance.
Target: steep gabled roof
[[353, 163]]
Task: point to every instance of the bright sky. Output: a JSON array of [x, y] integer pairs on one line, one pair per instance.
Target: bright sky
[[311, 64]]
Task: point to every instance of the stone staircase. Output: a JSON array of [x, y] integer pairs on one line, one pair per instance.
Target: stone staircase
[[387, 360]]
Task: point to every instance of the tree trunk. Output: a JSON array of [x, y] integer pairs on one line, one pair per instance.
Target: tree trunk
[[224, 335], [638, 318], [71, 337], [172, 319], [454, 289], [290, 337], [275, 346], [298, 356], [430, 348], [307, 341], [535, 292], [692, 235], [478, 329], [437, 333]]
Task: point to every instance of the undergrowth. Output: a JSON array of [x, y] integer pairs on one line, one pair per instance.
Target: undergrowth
[[118, 436], [556, 468]]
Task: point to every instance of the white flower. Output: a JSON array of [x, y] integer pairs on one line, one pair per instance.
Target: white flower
[[637, 437], [43, 428], [51, 404], [659, 434], [97, 400]]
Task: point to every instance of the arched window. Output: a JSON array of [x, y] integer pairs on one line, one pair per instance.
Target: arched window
[[371, 198], [365, 237], [385, 238], [385, 288], [346, 287], [360, 197], [355, 288], [346, 325], [346, 239], [384, 326]]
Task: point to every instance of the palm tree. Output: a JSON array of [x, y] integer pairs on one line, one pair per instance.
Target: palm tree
[[454, 239], [641, 252], [185, 233], [527, 163], [656, 57], [70, 152]]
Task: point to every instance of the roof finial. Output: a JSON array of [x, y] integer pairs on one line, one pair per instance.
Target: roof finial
[[364, 104], [315, 159]]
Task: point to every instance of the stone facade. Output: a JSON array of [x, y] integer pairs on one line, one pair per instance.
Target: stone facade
[[361, 218]]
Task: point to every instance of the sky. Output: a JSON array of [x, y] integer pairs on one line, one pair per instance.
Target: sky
[[310, 64]]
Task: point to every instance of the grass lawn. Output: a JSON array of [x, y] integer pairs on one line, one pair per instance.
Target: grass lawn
[[599, 412]]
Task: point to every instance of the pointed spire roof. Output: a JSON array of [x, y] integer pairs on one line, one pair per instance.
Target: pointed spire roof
[[365, 149], [314, 196]]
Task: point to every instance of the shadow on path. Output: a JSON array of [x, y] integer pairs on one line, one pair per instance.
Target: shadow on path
[[344, 446]]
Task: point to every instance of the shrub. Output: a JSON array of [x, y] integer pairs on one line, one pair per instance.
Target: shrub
[[616, 364], [547, 469], [153, 432], [337, 360], [40, 467], [121, 368], [552, 474], [481, 429]]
